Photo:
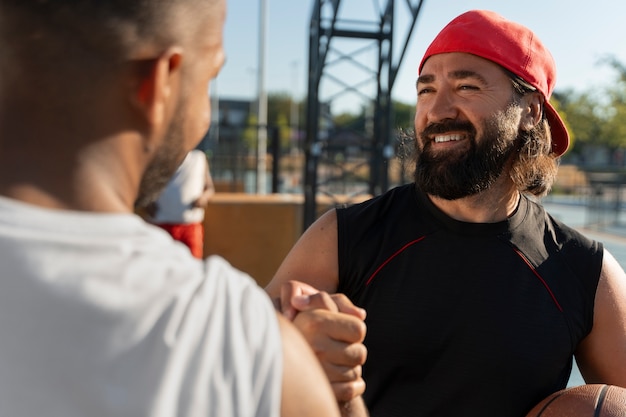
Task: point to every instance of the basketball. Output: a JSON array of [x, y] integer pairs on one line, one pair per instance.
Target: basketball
[[592, 400]]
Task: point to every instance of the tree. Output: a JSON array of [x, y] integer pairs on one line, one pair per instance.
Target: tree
[[615, 128], [597, 116], [250, 133], [403, 115]]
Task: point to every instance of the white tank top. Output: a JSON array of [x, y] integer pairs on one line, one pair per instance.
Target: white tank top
[[104, 315]]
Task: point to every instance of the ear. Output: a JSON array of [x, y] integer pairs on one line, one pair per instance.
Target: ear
[[156, 86], [532, 107]]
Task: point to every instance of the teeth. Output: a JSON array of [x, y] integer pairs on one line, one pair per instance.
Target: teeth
[[447, 138]]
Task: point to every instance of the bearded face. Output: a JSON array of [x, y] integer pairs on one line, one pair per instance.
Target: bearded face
[[456, 174]]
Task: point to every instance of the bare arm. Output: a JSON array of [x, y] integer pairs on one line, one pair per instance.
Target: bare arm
[[601, 356], [306, 391], [312, 260], [331, 324]]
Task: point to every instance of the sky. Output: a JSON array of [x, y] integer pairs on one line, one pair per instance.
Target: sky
[[578, 34]]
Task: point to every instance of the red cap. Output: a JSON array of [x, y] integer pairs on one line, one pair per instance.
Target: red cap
[[511, 45]]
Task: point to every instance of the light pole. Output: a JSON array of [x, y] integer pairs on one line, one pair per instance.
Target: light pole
[[294, 106], [262, 104]]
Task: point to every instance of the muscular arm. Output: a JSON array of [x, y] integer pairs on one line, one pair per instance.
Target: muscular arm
[[601, 356], [331, 325], [306, 391], [312, 260]]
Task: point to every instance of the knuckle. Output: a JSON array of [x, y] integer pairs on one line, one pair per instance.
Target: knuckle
[[341, 298], [361, 329], [355, 329], [344, 373], [308, 324], [357, 353], [346, 391]]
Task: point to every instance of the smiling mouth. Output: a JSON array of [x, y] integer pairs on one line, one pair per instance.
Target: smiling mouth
[[448, 138]]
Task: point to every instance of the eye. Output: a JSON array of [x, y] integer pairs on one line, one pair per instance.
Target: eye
[[424, 90], [469, 87]]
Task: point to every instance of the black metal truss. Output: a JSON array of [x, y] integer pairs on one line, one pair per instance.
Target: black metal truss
[[351, 160]]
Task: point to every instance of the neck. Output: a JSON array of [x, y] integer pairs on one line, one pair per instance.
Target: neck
[[81, 151], [493, 205], [61, 172]]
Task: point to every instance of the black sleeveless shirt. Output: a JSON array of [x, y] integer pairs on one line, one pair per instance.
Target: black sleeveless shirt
[[464, 319]]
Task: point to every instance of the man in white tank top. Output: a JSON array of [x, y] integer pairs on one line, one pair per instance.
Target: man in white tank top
[[103, 314]]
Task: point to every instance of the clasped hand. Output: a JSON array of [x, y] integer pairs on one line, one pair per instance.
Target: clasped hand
[[333, 326]]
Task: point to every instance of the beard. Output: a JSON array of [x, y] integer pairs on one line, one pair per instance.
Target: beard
[[165, 162], [456, 174]]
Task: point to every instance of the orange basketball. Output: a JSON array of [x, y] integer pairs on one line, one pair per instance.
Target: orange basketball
[[592, 400]]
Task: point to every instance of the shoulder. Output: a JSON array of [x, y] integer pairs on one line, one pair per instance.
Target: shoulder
[[229, 333], [237, 289], [243, 313], [563, 235], [396, 199], [601, 356], [568, 237], [223, 300]]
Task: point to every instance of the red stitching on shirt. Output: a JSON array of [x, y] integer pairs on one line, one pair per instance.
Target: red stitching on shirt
[[545, 284], [402, 249]]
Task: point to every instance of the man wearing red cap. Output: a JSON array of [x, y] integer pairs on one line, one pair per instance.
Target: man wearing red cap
[[477, 300]]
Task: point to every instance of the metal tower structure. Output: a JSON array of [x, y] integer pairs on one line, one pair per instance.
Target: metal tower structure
[[352, 59]]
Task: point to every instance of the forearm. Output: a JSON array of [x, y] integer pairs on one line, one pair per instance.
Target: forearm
[[354, 408]]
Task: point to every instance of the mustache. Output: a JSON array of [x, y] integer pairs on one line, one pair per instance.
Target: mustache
[[447, 126]]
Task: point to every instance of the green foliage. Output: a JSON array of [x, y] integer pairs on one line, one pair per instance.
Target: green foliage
[[278, 105], [403, 115], [279, 112], [349, 120], [250, 133], [284, 131], [556, 103], [595, 116]]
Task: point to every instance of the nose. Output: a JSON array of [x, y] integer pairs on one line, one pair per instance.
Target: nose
[[441, 105]]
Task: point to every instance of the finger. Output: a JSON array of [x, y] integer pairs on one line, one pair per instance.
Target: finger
[[344, 305], [320, 300], [346, 391], [337, 357], [334, 325], [346, 349], [288, 291], [336, 373]]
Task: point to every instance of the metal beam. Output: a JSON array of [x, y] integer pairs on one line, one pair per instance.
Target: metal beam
[[332, 151]]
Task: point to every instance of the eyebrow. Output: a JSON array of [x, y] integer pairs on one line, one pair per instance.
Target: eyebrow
[[455, 75]]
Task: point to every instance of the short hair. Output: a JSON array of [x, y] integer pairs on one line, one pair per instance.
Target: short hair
[[103, 31], [79, 45]]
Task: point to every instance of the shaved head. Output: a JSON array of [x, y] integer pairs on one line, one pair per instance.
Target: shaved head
[[84, 38], [112, 89]]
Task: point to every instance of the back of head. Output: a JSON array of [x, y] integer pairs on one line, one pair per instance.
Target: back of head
[[78, 76], [55, 42]]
